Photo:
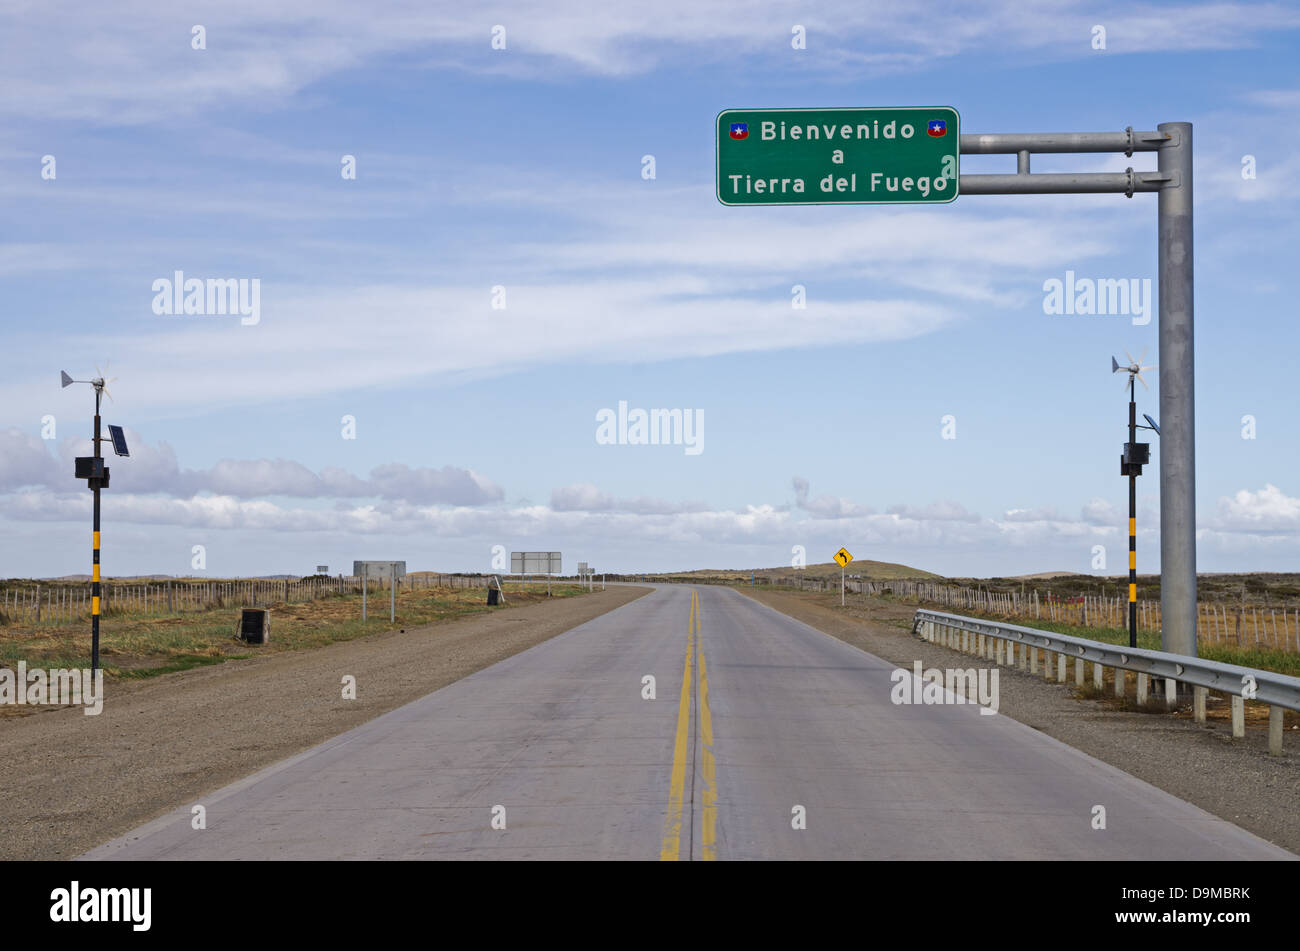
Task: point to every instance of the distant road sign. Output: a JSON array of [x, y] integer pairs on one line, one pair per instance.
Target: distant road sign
[[838, 156], [322, 569], [379, 569], [535, 563], [843, 557]]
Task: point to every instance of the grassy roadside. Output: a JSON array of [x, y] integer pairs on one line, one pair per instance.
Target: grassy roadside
[[134, 647]]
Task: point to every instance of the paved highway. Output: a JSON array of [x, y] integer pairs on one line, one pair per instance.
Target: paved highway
[[759, 724]]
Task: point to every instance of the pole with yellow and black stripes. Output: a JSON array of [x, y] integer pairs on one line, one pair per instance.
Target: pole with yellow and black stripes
[[1133, 470], [1136, 455], [92, 469], [94, 544]]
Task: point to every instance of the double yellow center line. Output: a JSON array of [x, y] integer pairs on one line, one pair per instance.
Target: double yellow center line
[[682, 758]]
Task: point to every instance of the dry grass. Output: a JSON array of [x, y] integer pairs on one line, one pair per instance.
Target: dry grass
[[137, 645]]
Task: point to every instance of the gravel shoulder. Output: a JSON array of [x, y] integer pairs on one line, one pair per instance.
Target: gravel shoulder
[[72, 781], [1236, 780]]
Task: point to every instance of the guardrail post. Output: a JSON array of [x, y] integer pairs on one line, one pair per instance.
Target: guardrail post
[[1033, 659], [1198, 704], [1238, 717], [1098, 675], [1078, 671], [1275, 730], [1121, 678], [1171, 692], [1023, 650], [1060, 668], [1142, 690], [999, 649], [979, 646]]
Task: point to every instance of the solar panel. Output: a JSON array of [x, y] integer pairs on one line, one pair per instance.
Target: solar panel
[[119, 440]]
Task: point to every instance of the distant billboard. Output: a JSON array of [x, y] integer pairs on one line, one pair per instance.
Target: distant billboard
[[379, 569], [535, 563]]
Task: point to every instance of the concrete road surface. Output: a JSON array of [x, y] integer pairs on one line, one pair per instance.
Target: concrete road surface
[[766, 739]]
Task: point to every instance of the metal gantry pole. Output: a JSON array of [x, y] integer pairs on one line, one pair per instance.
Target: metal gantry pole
[[1172, 143], [1177, 398]]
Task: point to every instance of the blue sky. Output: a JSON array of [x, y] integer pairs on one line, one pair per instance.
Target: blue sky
[[522, 168]]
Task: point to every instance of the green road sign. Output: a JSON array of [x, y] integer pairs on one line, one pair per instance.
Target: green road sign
[[838, 156]]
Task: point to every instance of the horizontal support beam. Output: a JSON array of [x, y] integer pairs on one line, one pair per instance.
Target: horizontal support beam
[[1082, 183], [999, 143]]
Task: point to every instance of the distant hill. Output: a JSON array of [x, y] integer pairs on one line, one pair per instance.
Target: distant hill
[[871, 570]]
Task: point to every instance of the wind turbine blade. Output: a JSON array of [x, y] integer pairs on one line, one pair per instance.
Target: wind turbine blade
[[1141, 356], [1143, 382], [1131, 361]]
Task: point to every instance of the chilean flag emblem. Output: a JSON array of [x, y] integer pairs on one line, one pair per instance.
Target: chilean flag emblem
[[938, 128], [740, 130]]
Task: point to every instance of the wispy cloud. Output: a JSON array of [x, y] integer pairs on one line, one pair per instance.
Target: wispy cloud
[[25, 462], [133, 62]]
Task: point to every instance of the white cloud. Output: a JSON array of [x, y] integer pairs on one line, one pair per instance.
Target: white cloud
[[946, 511], [585, 497], [1268, 511], [584, 518], [825, 506], [132, 62], [25, 461], [1099, 512]]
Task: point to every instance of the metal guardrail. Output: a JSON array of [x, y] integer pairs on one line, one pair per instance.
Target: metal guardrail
[[1270, 687], [1279, 691]]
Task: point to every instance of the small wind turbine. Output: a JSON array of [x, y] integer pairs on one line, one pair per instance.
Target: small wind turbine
[[1134, 368]]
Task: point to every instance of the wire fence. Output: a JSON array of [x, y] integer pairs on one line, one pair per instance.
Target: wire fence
[[28, 603], [1219, 622]]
